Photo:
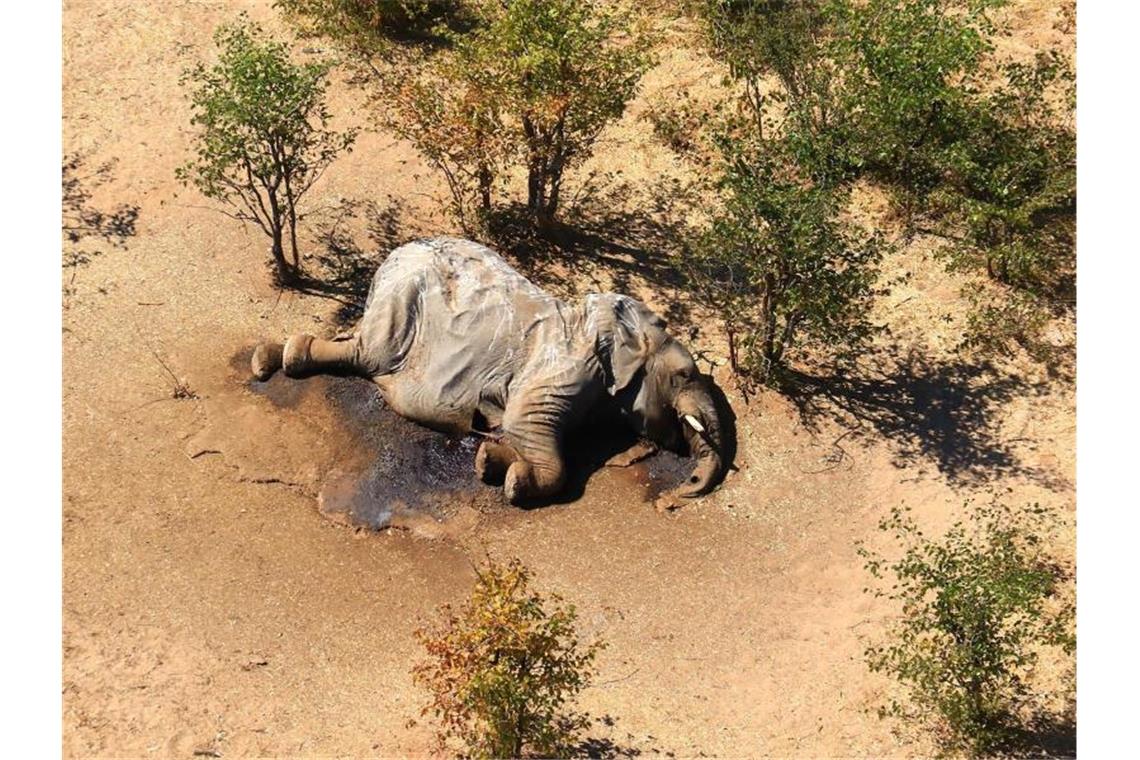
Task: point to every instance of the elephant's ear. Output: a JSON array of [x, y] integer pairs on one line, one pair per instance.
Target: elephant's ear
[[631, 341]]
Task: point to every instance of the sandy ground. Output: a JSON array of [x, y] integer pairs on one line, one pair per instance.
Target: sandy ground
[[209, 607]]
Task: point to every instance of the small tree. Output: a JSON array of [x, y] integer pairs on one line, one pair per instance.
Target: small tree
[[366, 28], [503, 669], [535, 81], [976, 606], [908, 93], [449, 111], [908, 67], [777, 265], [564, 76], [263, 134], [1012, 195]]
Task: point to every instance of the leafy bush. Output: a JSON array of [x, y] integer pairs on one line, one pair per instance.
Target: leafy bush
[[263, 135], [993, 165], [907, 92], [976, 606], [780, 52], [367, 27], [1012, 195], [448, 109], [677, 122], [908, 68], [535, 82], [503, 668], [777, 265]]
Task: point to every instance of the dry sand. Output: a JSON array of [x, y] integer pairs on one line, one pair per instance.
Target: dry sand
[[210, 608]]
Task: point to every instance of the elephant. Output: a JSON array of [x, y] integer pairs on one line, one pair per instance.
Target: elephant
[[459, 341]]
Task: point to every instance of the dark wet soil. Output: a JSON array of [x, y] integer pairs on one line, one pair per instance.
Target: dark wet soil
[[393, 467], [664, 471], [395, 470]]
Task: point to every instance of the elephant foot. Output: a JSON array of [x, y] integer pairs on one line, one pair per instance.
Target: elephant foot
[[267, 359], [525, 482], [518, 486], [296, 358], [491, 462]]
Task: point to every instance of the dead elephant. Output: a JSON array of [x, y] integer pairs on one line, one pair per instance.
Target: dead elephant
[[459, 341]]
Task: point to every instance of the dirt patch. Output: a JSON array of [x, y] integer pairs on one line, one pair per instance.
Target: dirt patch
[[411, 477], [335, 439]]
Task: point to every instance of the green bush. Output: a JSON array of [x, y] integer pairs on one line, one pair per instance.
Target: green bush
[[777, 265], [368, 27], [907, 93], [503, 669], [780, 53], [909, 70], [447, 111], [1010, 207], [977, 605], [535, 82], [263, 136], [677, 123]]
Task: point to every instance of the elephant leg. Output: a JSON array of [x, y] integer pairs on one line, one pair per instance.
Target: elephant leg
[[526, 480], [304, 355], [534, 422], [492, 461], [539, 471], [267, 359], [634, 454]]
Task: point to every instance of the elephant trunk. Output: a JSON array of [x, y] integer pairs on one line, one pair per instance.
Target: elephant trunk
[[704, 432]]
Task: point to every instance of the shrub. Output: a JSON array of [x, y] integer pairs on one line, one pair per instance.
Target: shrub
[[543, 77], [993, 165], [367, 27], [976, 606], [677, 123], [563, 75], [790, 40], [263, 135], [449, 111], [503, 668], [1012, 193], [908, 68], [903, 91], [777, 265]]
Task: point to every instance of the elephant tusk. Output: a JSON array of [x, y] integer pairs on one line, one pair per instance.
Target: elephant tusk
[[694, 423]]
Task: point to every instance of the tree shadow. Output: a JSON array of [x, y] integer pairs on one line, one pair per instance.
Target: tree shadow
[[615, 248], [1047, 735], [604, 747], [944, 412], [82, 221], [343, 270]]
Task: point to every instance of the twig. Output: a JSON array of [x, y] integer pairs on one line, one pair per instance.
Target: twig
[[181, 389], [627, 676], [842, 455]]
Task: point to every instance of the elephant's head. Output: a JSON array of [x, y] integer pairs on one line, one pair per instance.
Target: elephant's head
[[657, 384]]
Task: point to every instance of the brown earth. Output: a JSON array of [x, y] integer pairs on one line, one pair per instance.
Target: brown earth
[[210, 608]]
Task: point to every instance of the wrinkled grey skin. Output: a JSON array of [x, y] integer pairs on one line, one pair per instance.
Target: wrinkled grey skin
[[457, 340]]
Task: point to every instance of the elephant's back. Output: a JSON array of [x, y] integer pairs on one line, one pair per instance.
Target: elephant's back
[[446, 320]]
